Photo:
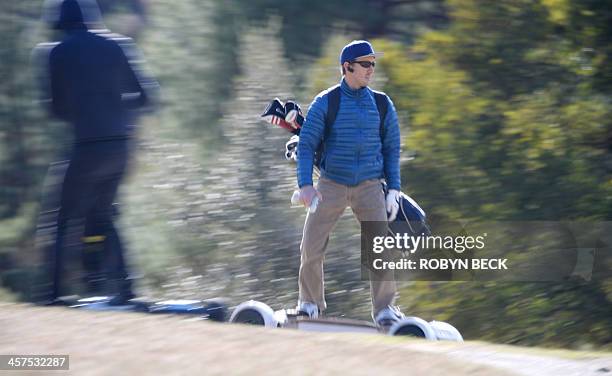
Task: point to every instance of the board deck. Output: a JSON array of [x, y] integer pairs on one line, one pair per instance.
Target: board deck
[[290, 319], [213, 309]]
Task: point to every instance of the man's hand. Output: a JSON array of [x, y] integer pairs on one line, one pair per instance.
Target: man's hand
[[307, 194], [392, 204]]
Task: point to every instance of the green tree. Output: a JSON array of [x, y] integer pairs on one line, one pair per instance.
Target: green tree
[[509, 120]]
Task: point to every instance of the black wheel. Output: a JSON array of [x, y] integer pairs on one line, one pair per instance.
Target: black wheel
[[250, 316], [410, 330]]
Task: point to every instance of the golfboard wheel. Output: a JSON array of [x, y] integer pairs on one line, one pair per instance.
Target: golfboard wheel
[[445, 331], [417, 327], [414, 327], [410, 330], [254, 313], [250, 316]]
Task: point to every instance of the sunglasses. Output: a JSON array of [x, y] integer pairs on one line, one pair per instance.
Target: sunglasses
[[365, 64]]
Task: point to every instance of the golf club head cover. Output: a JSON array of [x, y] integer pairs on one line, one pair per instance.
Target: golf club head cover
[[291, 148], [293, 114], [275, 114]]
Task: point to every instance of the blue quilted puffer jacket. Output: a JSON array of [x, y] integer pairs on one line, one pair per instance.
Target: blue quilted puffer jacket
[[354, 150]]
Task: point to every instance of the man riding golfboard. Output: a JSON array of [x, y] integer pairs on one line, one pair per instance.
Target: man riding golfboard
[[92, 80], [356, 155]]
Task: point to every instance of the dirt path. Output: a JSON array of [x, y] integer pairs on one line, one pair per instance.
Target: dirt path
[[101, 343]]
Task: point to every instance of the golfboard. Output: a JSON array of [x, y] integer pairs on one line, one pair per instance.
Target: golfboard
[[258, 313], [213, 309]]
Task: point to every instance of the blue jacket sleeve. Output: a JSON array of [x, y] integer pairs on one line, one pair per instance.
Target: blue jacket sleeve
[[311, 136], [391, 148]]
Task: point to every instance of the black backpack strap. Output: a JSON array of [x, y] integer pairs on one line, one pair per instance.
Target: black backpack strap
[[382, 104], [333, 104]]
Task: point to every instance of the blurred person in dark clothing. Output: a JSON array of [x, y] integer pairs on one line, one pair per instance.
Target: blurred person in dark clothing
[[92, 80]]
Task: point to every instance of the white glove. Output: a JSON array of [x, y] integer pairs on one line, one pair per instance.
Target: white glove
[[308, 196], [296, 201], [392, 204]]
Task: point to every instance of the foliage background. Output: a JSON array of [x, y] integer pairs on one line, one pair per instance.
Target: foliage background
[[505, 115]]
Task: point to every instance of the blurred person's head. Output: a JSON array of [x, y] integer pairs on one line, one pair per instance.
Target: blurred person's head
[[69, 15], [357, 61]]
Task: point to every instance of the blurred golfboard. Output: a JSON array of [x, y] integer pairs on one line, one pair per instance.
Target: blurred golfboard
[[78, 276], [211, 309], [258, 313]]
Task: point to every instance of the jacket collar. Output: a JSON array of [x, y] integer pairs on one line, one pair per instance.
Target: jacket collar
[[346, 89]]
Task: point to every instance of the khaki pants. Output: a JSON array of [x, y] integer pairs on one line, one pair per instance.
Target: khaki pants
[[368, 204]]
